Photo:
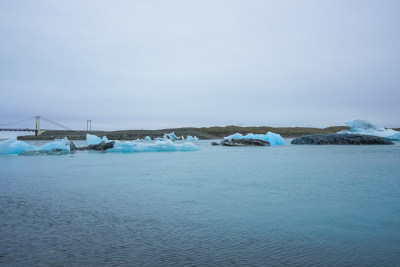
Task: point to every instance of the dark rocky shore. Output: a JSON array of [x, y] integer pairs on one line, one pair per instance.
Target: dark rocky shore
[[341, 139]]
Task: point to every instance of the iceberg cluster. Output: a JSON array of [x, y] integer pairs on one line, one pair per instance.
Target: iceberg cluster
[[273, 138], [95, 140], [14, 146], [367, 128], [63, 146], [158, 146]]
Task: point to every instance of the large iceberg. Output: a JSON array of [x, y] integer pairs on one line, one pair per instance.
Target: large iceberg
[[158, 146], [14, 146], [367, 128], [273, 138], [95, 140]]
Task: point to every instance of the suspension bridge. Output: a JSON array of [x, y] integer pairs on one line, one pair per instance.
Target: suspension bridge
[[31, 124]]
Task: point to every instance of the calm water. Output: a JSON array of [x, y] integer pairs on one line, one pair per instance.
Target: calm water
[[219, 206]]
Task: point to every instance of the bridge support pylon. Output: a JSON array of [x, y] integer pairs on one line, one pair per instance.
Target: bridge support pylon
[[37, 129]]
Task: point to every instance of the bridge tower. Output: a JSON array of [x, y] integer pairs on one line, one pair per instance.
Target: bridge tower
[[37, 130]]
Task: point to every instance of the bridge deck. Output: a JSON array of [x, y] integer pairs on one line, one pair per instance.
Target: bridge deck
[[17, 130]]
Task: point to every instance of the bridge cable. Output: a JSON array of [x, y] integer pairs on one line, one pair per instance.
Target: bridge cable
[[15, 122], [56, 123]]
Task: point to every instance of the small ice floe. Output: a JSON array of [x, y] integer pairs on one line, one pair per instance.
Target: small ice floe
[[272, 138], [367, 128], [191, 138]]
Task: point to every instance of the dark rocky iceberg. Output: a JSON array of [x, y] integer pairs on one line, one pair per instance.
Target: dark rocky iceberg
[[340, 139], [103, 146], [244, 142]]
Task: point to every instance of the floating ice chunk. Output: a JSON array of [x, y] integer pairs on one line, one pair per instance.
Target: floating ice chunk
[[147, 138], [95, 140], [191, 138], [158, 146], [57, 144], [367, 128], [13, 146], [170, 136], [92, 139], [273, 138], [158, 139]]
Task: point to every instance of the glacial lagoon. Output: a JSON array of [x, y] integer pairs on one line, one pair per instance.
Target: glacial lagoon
[[215, 206]]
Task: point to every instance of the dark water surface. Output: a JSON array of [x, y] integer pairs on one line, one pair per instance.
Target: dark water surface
[[219, 206]]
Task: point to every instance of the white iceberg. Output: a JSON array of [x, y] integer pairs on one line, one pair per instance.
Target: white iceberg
[[273, 138], [158, 146], [95, 140], [14, 146], [368, 128], [147, 138]]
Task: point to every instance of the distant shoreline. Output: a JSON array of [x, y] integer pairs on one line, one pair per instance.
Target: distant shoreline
[[204, 133]]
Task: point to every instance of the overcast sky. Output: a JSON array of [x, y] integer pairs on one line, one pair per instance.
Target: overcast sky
[[159, 64]]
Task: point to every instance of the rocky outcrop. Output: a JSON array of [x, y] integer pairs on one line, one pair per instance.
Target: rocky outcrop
[[72, 146], [244, 142], [340, 139]]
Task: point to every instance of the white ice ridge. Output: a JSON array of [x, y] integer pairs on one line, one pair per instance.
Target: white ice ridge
[[366, 127], [273, 138], [190, 138], [14, 146], [95, 140], [158, 146]]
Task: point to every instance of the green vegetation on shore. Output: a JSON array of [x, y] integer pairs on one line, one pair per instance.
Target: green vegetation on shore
[[202, 133]]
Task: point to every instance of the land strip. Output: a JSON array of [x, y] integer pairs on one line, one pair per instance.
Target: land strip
[[204, 133]]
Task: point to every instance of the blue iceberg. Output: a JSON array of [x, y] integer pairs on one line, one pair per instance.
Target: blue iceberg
[[158, 146], [170, 136], [95, 140], [273, 138], [368, 128], [14, 146]]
